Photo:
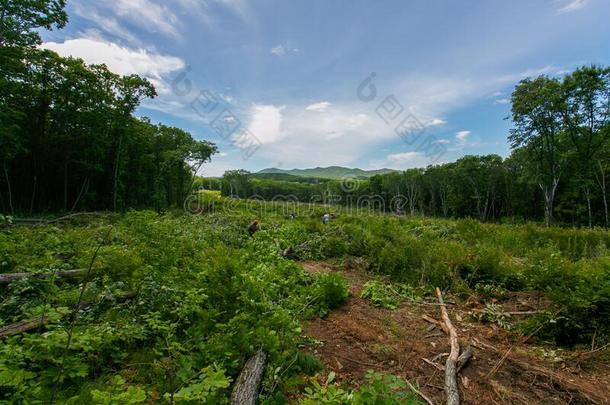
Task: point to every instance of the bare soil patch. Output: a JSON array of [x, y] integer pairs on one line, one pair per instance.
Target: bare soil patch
[[359, 336]]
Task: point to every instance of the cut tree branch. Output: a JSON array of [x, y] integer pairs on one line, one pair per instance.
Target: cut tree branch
[[31, 324], [451, 385]]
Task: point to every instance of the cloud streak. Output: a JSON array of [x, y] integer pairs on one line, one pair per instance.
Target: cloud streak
[[571, 5], [462, 135], [318, 107], [119, 59], [283, 49]]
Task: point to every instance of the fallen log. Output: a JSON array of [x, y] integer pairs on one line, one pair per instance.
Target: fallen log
[[464, 358], [245, 390], [290, 252], [43, 221], [10, 277], [451, 385], [23, 326], [31, 324]]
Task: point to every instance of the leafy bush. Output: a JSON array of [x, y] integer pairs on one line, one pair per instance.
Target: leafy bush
[[331, 290], [494, 313], [378, 389], [491, 290], [209, 388], [116, 394], [381, 295]]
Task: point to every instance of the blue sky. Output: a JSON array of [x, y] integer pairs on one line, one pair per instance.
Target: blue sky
[[275, 83]]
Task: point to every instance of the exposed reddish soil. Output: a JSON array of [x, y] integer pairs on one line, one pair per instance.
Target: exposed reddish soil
[[359, 336]]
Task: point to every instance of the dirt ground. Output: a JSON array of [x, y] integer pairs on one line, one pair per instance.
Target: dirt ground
[[359, 336]]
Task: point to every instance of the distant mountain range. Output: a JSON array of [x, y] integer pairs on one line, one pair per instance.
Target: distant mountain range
[[332, 172]]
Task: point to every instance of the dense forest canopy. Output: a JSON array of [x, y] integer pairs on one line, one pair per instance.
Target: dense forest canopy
[[69, 138], [558, 168]]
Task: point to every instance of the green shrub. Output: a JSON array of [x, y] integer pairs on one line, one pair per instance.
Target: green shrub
[[380, 295], [116, 394], [494, 313], [378, 389], [331, 288]]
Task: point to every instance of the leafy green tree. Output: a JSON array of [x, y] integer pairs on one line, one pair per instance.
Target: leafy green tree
[[586, 117], [237, 183], [20, 20], [537, 112], [412, 179]]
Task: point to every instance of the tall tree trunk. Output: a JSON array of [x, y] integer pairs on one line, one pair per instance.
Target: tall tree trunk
[[115, 185], [549, 197], [413, 194], [33, 198], [601, 180], [83, 190], [66, 185], [588, 197], [443, 196], [10, 191]]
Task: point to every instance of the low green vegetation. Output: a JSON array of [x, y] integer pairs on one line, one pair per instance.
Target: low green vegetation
[[379, 389], [207, 295], [388, 295]]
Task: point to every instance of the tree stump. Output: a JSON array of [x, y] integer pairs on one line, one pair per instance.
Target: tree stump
[[245, 390]]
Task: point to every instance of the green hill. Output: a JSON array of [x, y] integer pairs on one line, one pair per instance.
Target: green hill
[[332, 172]]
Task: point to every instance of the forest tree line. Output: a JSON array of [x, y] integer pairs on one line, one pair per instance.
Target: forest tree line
[[69, 139], [557, 172]]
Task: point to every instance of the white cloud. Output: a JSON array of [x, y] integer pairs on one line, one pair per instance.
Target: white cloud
[[355, 121], [436, 122], [428, 96], [278, 50], [119, 59], [220, 163], [401, 161], [514, 78], [266, 122], [295, 136], [239, 7], [569, 6], [149, 15], [342, 134], [156, 16], [106, 23], [319, 107], [283, 49], [462, 135], [404, 157], [502, 101]]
